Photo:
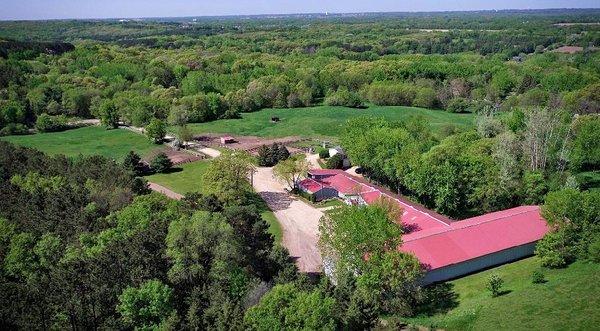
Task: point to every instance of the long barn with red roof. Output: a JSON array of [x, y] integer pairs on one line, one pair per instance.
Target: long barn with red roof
[[446, 248]]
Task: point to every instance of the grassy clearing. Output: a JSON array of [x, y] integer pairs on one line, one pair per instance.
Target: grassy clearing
[[87, 141], [321, 121], [569, 300], [184, 178], [187, 178]]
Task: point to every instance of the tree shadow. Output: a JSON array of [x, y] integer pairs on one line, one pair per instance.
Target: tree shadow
[[438, 298], [504, 292], [277, 200], [173, 170]]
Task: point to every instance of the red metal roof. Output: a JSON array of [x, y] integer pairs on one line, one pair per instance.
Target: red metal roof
[[476, 237], [310, 185]]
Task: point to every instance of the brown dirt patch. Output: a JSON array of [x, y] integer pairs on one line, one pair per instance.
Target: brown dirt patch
[[248, 143]]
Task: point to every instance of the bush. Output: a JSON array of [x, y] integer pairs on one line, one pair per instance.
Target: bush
[[323, 153], [335, 162], [392, 94], [458, 105], [161, 163], [537, 277], [344, 97], [47, 123], [14, 129], [552, 250], [494, 285]]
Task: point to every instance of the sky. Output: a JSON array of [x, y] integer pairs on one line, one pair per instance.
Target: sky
[[60, 9]]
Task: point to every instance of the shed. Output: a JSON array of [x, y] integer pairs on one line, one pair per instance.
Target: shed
[[227, 140]]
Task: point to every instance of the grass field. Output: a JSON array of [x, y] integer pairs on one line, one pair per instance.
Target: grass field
[[188, 178], [569, 300], [321, 121], [87, 141], [185, 178]]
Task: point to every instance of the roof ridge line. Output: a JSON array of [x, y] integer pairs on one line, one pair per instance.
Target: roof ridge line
[[445, 230]]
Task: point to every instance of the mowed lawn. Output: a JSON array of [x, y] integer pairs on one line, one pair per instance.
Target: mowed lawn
[[569, 300], [87, 141], [187, 177], [321, 121]]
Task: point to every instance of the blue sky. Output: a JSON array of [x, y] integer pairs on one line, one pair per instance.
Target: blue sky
[[50, 9]]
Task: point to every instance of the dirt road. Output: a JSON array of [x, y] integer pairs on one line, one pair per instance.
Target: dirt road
[[161, 189], [299, 221]]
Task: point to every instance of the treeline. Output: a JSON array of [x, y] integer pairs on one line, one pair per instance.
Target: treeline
[[512, 158], [29, 50], [182, 86]]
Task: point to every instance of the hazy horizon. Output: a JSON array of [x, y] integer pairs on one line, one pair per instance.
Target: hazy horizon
[[89, 9]]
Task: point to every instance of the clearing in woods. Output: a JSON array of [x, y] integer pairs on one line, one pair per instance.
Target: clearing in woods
[[322, 121], [87, 141]]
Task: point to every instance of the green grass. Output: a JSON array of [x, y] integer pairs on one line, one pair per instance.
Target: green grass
[[569, 300], [87, 141], [321, 121], [188, 178], [184, 178], [274, 226]]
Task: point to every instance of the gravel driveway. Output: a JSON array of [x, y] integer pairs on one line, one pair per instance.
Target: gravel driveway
[[299, 220]]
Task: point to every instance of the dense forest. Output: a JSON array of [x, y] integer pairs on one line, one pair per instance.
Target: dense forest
[[85, 245]]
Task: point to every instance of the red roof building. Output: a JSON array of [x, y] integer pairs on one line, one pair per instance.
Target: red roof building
[[447, 249]]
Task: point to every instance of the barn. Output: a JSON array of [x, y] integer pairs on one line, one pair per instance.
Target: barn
[[476, 243], [446, 248]]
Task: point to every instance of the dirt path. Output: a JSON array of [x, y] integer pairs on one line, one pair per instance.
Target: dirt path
[[161, 189], [299, 221], [210, 151], [313, 160]]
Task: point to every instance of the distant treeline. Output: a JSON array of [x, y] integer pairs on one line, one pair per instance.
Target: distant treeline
[[30, 49]]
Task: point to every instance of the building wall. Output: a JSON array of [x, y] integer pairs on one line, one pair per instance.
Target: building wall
[[325, 193], [480, 263]]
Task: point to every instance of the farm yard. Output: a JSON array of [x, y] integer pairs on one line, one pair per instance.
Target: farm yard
[[323, 121], [353, 171]]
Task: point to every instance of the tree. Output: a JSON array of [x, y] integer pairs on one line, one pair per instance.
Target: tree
[[351, 233], [47, 123], [147, 306], [156, 130], [393, 277], [161, 163], [494, 285], [286, 307], [344, 97], [292, 170], [132, 162], [227, 176], [335, 162], [585, 146], [109, 114]]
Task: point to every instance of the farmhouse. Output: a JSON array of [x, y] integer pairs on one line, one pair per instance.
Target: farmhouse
[[447, 248]]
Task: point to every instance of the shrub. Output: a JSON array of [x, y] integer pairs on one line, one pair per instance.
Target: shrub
[[494, 285], [553, 251], [457, 105], [537, 277], [344, 97], [161, 163], [14, 129], [47, 123], [392, 94], [335, 162], [323, 153]]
